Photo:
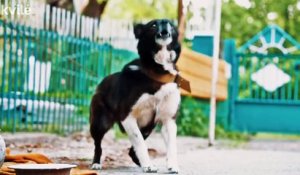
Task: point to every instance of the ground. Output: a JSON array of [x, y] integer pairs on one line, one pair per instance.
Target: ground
[[258, 156]]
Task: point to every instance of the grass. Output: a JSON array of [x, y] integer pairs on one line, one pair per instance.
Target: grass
[[276, 136], [118, 133], [48, 128]]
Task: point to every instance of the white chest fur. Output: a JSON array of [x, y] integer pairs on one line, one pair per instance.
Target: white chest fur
[[165, 58], [164, 104]]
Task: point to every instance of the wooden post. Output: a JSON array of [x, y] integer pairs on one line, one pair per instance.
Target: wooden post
[[181, 20], [215, 67]]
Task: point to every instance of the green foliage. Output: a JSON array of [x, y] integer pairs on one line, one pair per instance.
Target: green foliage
[[118, 133], [192, 121], [237, 22], [242, 23], [141, 10], [50, 128]]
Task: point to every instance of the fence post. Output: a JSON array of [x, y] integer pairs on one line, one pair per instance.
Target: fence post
[[3, 81], [215, 68], [230, 56]]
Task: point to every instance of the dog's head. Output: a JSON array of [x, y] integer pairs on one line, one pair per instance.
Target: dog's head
[[152, 37]]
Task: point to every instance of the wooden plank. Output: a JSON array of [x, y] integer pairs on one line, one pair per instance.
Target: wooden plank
[[202, 88], [201, 58], [197, 68], [205, 84]]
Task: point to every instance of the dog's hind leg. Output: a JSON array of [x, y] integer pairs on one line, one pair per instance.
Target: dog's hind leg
[[132, 152], [133, 156], [140, 148], [97, 134], [100, 124], [146, 131], [97, 152]]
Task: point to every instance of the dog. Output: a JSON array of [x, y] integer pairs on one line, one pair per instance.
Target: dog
[[145, 93]]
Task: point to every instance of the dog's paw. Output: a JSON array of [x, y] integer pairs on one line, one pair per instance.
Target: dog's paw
[[96, 166], [150, 169], [173, 170], [173, 55]]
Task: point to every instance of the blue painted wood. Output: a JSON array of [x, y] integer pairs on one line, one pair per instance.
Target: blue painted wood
[[259, 110], [267, 117], [230, 57], [203, 44], [266, 33], [3, 81]]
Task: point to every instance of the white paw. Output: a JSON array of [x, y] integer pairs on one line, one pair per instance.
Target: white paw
[[159, 58], [173, 55], [173, 170], [150, 169], [96, 166]]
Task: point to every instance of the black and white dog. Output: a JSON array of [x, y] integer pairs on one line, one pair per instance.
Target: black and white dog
[[144, 93]]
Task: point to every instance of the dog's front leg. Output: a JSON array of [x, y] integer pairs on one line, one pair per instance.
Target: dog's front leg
[[169, 132], [136, 138], [169, 99]]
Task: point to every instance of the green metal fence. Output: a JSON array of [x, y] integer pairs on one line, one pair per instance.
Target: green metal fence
[[47, 79]]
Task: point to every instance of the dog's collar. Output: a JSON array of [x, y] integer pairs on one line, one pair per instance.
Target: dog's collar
[[169, 78]]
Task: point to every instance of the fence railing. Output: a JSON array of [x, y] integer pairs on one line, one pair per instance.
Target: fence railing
[[47, 79], [269, 78], [64, 22]]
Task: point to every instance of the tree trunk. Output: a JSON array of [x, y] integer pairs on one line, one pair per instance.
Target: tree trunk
[[65, 4], [181, 20], [89, 8], [94, 9]]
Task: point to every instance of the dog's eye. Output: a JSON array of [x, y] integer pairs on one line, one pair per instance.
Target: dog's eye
[[154, 26]]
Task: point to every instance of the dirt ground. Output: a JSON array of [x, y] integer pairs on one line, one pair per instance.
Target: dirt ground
[[258, 156]]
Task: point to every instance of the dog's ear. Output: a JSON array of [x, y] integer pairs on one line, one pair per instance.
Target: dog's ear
[[138, 30]]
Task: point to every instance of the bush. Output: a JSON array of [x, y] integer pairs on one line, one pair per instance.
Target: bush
[[192, 121]]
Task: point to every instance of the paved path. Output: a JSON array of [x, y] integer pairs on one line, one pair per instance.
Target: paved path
[[231, 162], [257, 157]]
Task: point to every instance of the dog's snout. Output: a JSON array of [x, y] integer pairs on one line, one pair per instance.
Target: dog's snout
[[164, 34]]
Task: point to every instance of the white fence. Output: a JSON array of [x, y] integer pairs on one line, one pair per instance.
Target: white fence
[[38, 14]]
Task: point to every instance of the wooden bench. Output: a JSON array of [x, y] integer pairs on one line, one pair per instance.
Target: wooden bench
[[197, 68]]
